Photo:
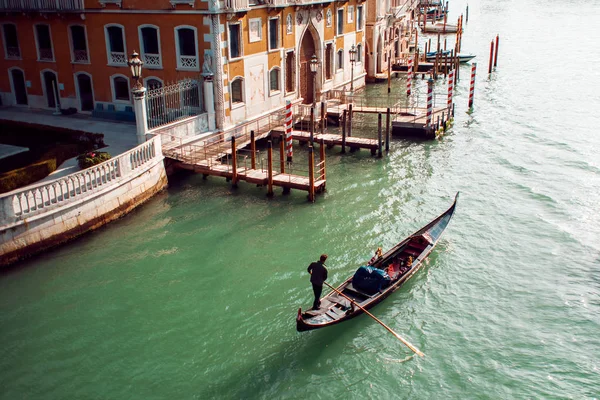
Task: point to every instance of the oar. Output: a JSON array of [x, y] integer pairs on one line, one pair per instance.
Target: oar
[[410, 346]]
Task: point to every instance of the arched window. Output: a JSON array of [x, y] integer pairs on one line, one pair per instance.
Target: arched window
[[274, 80], [79, 45], [340, 59], [150, 46], [152, 82], [359, 52], [11, 41], [120, 88], [237, 90], [187, 48], [116, 51]]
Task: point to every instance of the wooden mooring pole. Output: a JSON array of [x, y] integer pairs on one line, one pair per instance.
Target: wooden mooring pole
[[322, 157], [344, 132], [467, 14], [233, 162], [388, 120], [379, 146], [491, 57], [270, 169], [311, 174], [322, 119], [282, 155], [252, 150], [496, 54], [350, 116], [312, 126]]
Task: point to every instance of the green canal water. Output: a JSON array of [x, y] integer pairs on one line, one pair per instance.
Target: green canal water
[[194, 295]]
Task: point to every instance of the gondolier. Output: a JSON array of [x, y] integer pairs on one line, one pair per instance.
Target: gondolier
[[318, 275]]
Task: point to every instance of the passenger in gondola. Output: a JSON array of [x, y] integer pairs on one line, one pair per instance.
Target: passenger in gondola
[[376, 257], [394, 268], [318, 275]]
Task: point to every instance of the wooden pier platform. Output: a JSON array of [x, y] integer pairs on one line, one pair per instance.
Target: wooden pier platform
[[332, 139]]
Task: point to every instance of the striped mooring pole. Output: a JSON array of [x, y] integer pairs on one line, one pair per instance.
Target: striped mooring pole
[[288, 131], [472, 88], [409, 77], [429, 100], [450, 89]]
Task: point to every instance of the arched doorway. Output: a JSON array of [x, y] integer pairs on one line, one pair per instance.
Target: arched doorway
[[19, 87], [307, 49], [86, 95], [51, 88]]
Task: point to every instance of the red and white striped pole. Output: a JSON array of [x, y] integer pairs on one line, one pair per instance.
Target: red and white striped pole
[[429, 101], [409, 77], [288, 131], [472, 88], [450, 89]]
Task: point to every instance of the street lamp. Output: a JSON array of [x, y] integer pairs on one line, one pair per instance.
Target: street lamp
[[352, 52], [314, 65], [136, 69]]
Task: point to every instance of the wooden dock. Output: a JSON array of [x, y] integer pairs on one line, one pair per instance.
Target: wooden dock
[[208, 160], [332, 139]]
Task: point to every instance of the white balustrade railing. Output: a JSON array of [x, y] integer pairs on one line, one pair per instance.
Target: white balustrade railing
[[236, 4], [41, 5], [43, 197], [13, 52], [118, 57], [46, 55], [80, 56], [151, 60]]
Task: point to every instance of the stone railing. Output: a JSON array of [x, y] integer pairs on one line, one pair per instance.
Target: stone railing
[[41, 5], [41, 198]]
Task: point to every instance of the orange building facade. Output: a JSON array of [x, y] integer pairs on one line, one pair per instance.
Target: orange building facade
[[74, 53]]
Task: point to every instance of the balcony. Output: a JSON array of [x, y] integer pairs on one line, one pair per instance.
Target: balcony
[[46, 55], [117, 58], [80, 56], [151, 60], [13, 53], [41, 5]]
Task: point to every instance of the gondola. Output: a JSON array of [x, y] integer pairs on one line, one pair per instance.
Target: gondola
[[462, 57], [343, 303]]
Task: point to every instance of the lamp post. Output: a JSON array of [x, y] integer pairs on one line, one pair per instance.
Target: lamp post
[[352, 52], [314, 65], [135, 64], [139, 100]]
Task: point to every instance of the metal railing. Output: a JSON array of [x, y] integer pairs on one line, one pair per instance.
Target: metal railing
[[41, 5], [174, 102]]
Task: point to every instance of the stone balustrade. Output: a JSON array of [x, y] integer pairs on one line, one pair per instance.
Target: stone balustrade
[[44, 197]]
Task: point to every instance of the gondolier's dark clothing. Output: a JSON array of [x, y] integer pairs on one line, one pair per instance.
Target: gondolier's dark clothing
[[318, 275]]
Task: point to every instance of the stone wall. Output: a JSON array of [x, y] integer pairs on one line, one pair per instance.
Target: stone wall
[[44, 215]]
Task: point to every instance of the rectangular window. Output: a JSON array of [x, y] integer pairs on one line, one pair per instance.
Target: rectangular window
[[359, 18], [359, 53], [79, 53], [115, 45], [150, 47], [236, 91], [11, 41], [274, 80], [350, 14], [235, 49], [290, 71], [340, 21], [186, 48], [340, 59], [44, 42], [273, 33], [255, 29], [329, 61]]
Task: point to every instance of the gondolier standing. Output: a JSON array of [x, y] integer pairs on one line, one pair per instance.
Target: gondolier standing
[[318, 275]]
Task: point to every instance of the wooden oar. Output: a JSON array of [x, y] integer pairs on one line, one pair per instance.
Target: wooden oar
[[410, 346]]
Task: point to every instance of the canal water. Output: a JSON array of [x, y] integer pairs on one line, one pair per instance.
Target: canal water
[[194, 295]]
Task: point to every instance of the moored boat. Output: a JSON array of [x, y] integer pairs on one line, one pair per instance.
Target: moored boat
[[462, 57], [373, 283]]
